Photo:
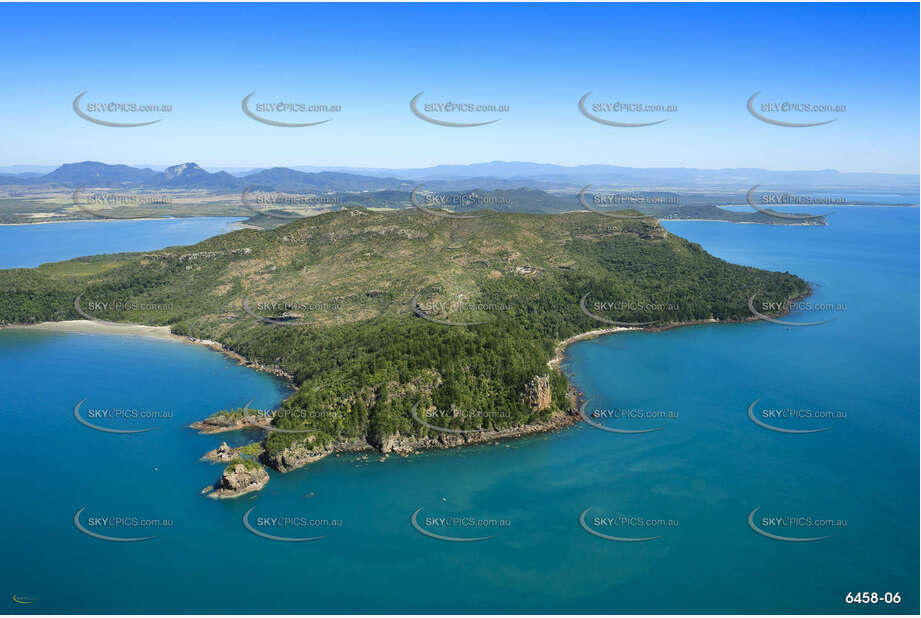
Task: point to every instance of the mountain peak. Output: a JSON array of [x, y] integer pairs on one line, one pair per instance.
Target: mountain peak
[[183, 168]]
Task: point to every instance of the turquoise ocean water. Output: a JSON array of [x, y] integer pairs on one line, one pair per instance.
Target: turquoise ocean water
[[706, 469], [25, 246]]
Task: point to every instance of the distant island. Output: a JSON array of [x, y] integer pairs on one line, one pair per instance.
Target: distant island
[[400, 330]]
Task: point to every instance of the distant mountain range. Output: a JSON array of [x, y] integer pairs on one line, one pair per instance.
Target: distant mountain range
[[187, 176], [486, 176], [547, 174]]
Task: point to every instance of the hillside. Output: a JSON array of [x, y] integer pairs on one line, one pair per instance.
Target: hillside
[[376, 313]]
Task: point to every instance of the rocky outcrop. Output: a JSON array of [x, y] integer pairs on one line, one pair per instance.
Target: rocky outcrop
[[225, 453], [218, 423], [221, 453], [385, 444], [404, 445], [297, 455], [240, 478], [527, 270], [537, 394]]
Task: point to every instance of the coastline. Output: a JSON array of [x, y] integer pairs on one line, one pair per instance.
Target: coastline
[[560, 352], [109, 219], [163, 333], [93, 220], [296, 457]]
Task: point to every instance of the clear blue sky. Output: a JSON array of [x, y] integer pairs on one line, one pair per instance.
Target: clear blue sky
[[539, 59]]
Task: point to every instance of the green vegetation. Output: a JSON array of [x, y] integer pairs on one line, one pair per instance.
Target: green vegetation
[[228, 416], [253, 449], [57, 205], [344, 285], [249, 464]]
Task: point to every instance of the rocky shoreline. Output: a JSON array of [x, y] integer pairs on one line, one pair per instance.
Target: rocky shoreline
[[242, 476], [298, 456], [560, 352], [239, 478], [303, 454], [241, 360], [236, 481]]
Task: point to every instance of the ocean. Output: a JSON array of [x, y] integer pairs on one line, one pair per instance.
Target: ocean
[[690, 486]]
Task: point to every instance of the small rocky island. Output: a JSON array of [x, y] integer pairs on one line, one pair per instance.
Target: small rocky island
[[241, 476]]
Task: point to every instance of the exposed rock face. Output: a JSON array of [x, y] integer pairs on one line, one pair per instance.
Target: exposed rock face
[[222, 453], [394, 443], [178, 170], [238, 479], [388, 443], [297, 455], [404, 445], [526, 270], [537, 393]]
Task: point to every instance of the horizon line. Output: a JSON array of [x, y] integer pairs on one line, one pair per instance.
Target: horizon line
[[219, 167]]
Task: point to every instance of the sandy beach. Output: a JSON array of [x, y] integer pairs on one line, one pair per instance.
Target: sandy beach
[[554, 362], [106, 328], [141, 330]]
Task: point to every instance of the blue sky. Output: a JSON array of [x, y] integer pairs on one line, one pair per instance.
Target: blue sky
[[538, 59]]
